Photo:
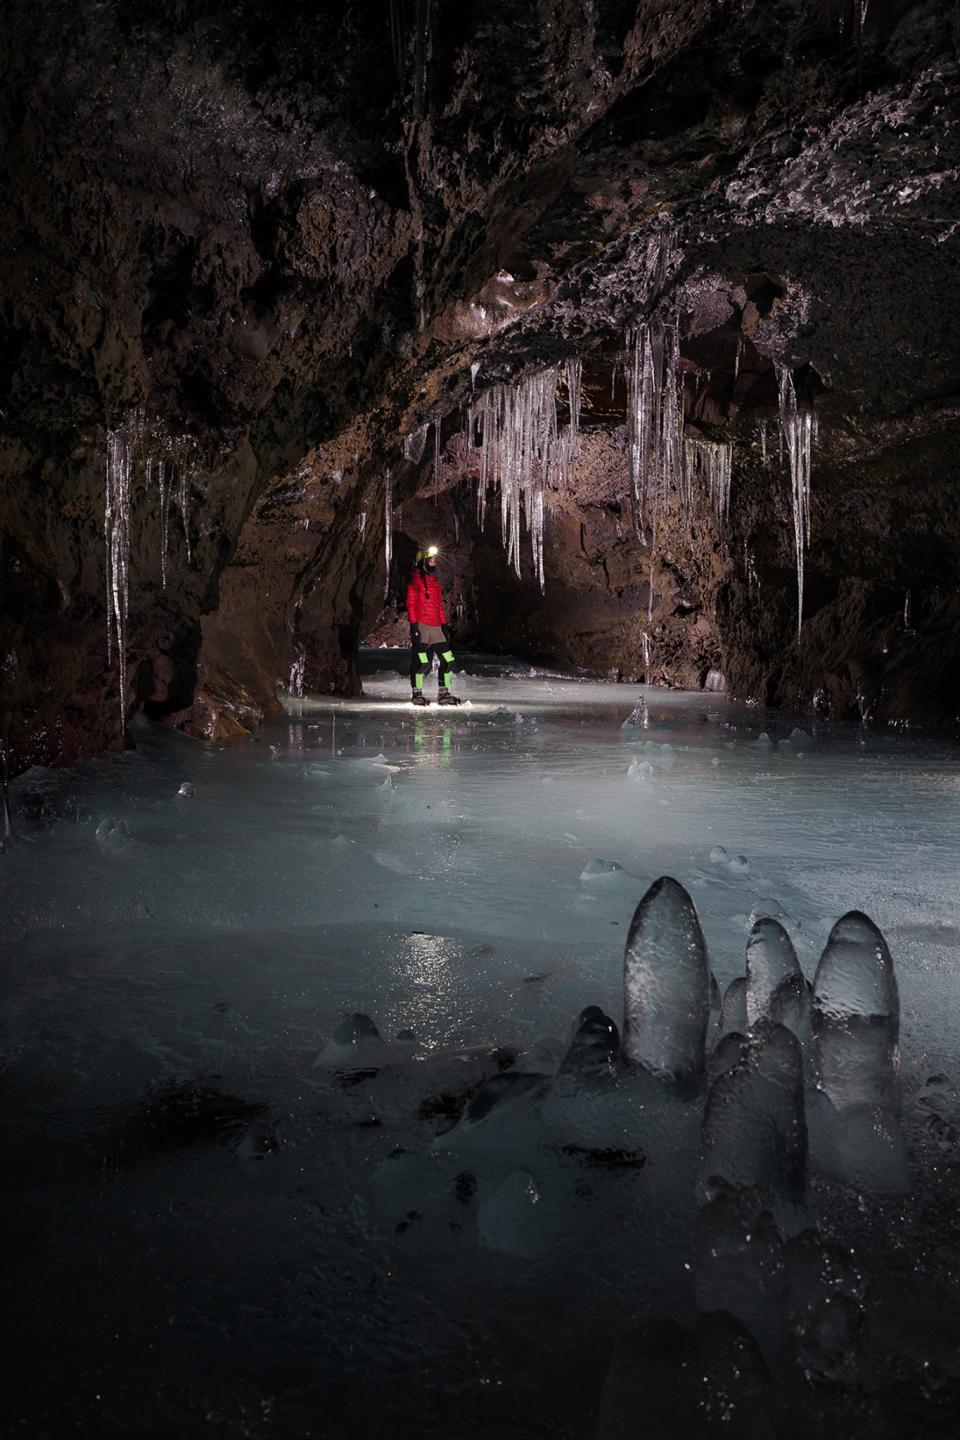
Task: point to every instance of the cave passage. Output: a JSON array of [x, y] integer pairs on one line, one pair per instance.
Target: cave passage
[[291, 1115]]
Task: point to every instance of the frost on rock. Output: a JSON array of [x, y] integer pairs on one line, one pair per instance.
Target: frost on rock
[[798, 431], [771, 959], [856, 1016], [754, 1125], [666, 984]]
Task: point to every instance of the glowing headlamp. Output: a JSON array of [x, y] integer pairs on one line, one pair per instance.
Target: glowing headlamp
[[433, 550]]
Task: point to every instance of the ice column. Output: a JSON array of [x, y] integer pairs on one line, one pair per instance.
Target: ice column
[[798, 430], [666, 984], [856, 1016]]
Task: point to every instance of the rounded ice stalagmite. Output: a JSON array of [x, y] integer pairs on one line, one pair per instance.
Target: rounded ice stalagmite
[[666, 984], [754, 1125], [771, 959], [855, 1016], [739, 1267]]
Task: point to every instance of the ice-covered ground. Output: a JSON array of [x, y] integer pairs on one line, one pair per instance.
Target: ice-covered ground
[[219, 1215]]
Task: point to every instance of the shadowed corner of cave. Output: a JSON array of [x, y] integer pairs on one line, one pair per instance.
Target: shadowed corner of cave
[[393, 1063]]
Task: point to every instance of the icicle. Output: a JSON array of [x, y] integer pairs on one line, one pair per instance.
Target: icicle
[[574, 379], [387, 530], [186, 475], [5, 792], [116, 528], [362, 523], [650, 591], [436, 459], [763, 441], [736, 360], [415, 443], [646, 657], [297, 674], [906, 612], [456, 526], [474, 372], [711, 461], [798, 429]]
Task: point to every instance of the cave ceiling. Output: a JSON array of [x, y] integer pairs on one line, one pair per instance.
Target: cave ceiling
[[290, 238]]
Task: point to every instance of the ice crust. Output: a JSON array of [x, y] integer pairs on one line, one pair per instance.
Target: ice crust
[[348, 1054]]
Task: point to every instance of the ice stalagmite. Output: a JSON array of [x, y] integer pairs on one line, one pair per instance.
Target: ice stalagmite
[[856, 1016], [754, 1125], [771, 959], [666, 984], [595, 1048]]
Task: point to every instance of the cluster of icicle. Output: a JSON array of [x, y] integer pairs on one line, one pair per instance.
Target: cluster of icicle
[[170, 465], [710, 461], [654, 424], [524, 451]]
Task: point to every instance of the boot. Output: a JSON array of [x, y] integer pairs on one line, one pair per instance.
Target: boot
[[445, 698], [418, 698]]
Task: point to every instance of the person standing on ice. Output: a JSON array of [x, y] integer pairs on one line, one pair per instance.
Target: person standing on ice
[[429, 635]]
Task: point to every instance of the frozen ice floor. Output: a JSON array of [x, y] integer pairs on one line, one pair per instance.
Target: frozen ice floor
[[220, 1220]]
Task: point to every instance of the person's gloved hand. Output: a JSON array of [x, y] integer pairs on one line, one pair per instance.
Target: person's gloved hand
[[446, 632], [414, 634]]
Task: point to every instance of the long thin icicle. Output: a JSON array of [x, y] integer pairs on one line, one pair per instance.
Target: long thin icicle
[[116, 530], [387, 530], [798, 431]]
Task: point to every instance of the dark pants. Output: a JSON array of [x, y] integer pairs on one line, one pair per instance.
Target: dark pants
[[422, 661]]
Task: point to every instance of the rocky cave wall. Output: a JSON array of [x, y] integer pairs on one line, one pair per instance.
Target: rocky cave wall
[[293, 242]]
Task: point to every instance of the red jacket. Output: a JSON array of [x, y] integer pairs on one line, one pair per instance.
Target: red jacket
[[424, 601]]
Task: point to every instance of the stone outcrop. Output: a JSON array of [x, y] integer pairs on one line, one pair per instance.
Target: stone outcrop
[[296, 244]]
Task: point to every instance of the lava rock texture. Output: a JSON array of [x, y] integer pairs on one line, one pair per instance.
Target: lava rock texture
[[288, 248]]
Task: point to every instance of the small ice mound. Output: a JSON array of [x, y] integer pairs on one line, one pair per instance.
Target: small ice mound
[[832, 1341], [738, 865], [733, 1011], [666, 984], [112, 834], [356, 1044], [771, 959], [186, 790], [819, 1270], [763, 741], [716, 681], [638, 717], [342, 841], [855, 1016], [599, 870], [863, 1146], [639, 770], [595, 1048], [510, 1218], [754, 1124], [665, 1381], [800, 739], [739, 1267], [498, 1092], [718, 855]]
